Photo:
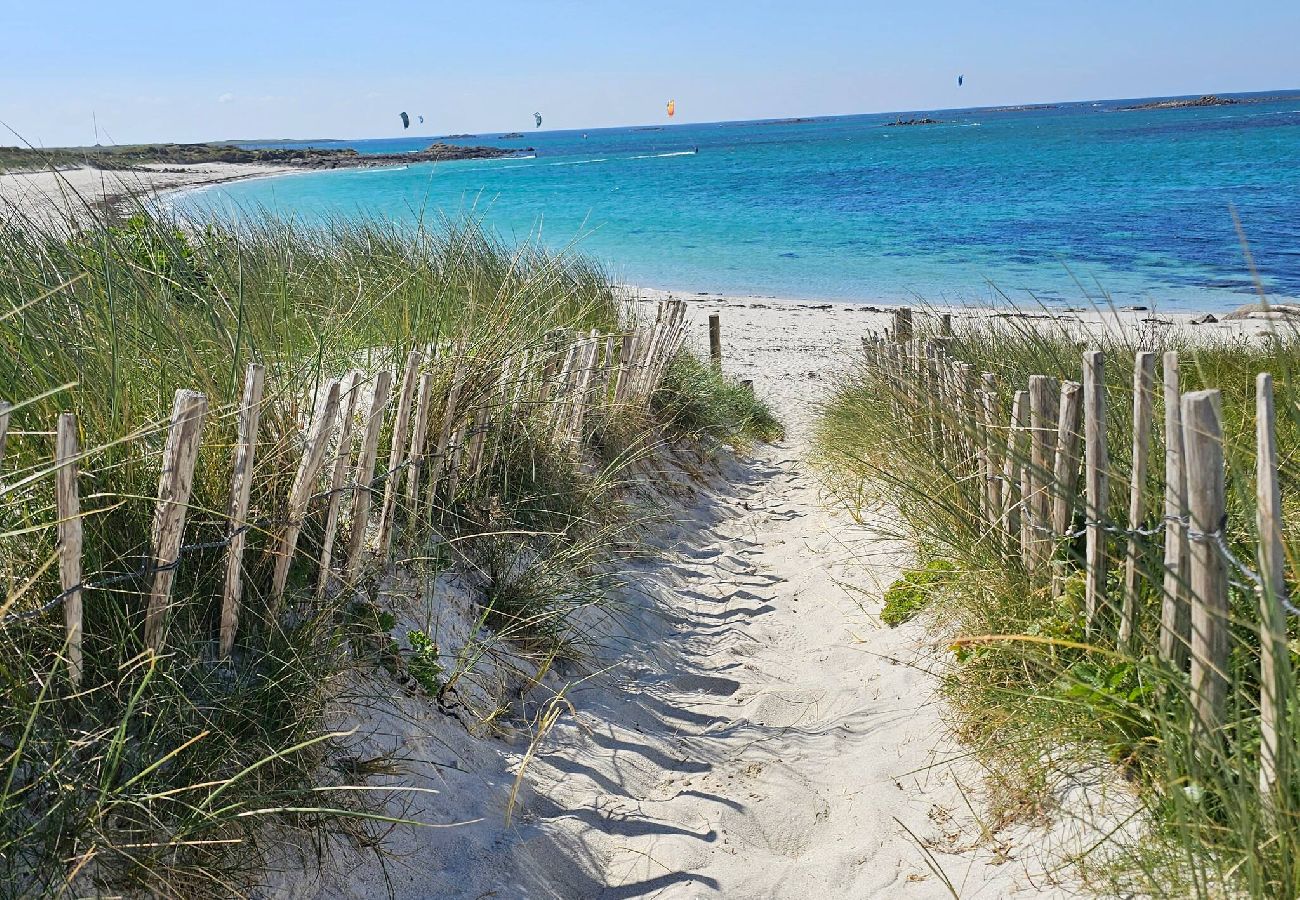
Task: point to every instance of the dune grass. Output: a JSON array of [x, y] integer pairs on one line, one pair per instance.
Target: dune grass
[[161, 772], [1046, 696]]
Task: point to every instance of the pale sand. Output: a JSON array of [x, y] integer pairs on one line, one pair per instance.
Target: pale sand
[[70, 194], [751, 729]]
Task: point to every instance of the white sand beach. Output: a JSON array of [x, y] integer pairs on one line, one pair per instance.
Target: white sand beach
[[71, 194]]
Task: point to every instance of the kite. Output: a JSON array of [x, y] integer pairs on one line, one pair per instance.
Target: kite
[[538, 117], [421, 118], [672, 108], [406, 120], [961, 79]]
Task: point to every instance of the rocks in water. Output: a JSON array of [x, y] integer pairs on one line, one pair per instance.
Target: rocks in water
[[901, 122], [512, 136], [1206, 100], [1273, 311]]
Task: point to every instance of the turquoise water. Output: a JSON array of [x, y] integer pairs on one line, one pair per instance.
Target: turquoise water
[[1062, 204]]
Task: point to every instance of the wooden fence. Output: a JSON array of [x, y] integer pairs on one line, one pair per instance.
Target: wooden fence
[[439, 445], [1025, 463]]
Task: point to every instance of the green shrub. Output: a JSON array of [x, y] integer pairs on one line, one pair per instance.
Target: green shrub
[[907, 596]]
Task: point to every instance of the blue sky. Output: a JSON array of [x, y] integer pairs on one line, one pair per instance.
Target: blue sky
[[236, 69]]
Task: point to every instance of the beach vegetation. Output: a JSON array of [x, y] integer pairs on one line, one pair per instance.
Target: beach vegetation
[[1039, 696]]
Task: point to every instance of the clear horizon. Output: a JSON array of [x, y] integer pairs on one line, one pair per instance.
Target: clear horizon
[[155, 72]]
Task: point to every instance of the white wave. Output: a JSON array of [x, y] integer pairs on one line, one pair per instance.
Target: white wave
[[664, 155], [580, 162]]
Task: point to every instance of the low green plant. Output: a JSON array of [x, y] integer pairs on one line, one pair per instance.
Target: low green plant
[[908, 595], [423, 662]]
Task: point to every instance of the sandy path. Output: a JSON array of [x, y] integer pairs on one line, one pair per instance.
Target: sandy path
[[773, 740]]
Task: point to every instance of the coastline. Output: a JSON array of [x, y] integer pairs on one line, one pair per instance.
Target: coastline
[[76, 195]]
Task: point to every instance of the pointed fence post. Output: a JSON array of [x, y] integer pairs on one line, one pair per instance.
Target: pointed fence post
[[1012, 480], [250, 411], [1175, 613], [1203, 446], [903, 324], [1065, 468], [313, 457], [419, 434], [1144, 380], [180, 455], [343, 459], [993, 485], [397, 452], [68, 504], [715, 341], [1274, 657], [1096, 483], [365, 472], [1042, 424]]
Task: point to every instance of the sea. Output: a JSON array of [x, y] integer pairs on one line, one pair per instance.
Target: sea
[[1072, 204]]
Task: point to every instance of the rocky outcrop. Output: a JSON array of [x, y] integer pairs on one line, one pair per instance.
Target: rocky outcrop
[[1207, 100], [901, 122], [1273, 311]]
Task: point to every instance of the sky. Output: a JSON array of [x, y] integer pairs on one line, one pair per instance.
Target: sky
[[74, 72]]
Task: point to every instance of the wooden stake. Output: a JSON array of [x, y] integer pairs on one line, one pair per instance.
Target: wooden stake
[[450, 413], [624, 359], [1274, 657], [365, 472], [174, 486], [419, 434], [1042, 424], [1175, 613], [1015, 459], [241, 486], [5, 409], [397, 452], [1065, 470], [68, 503], [1203, 446], [347, 412], [715, 340], [1144, 379], [1096, 483], [992, 416], [903, 323], [313, 457]]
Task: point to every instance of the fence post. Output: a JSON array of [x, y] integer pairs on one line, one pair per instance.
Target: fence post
[[313, 457], [419, 434], [903, 324], [1012, 482], [945, 324], [68, 503], [1097, 482], [397, 449], [715, 340], [250, 413], [1175, 615], [177, 480], [1065, 468], [1144, 380], [347, 412], [993, 484], [1042, 424], [365, 471], [1203, 446], [1274, 664]]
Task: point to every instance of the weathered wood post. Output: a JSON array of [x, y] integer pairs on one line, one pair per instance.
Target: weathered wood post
[[1203, 446], [715, 340], [343, 459], [1042, 424], [992, 415], [1065, 468], [1274, 662], [250, 413], [1096, 482], [313, 457], [174, 486], [945, 325], [68, 505], [5, 409], [1144, 380], [419, 434], [903, 324], [1012, 481], [365, 472], [1175, 614], [397, 451]]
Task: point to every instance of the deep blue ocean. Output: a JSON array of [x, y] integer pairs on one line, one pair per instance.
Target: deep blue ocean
[[1060, 205]]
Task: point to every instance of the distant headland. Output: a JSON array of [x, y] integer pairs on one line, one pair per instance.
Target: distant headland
[[127, 157]]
